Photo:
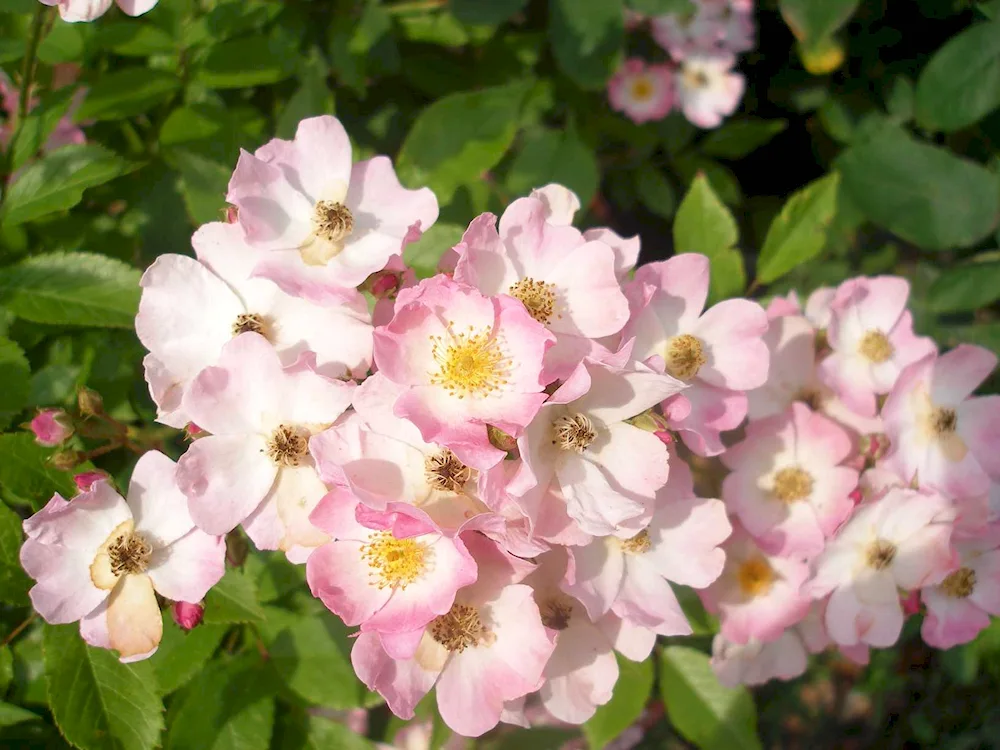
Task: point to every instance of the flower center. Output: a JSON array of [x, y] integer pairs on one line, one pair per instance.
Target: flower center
[[333, 221], [445, 472], [943, 421], [539, 298], [249, 323], [695, 79], [811, 398], [394, 563], [287, 445], [470, 364], [960, 584], [573, 433], [129, 553], [880, 554], [755, 576], [684, 356], [638, 544], [556, 612], [642, 89], [460, 628], [792, 484], [875, 347]]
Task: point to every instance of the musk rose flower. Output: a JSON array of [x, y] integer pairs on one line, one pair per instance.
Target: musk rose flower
[[74, 11], [101, 559], [960, 606], [642, 92], [708, 90], [50, 427]]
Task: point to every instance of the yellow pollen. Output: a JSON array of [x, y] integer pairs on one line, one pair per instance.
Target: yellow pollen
[[695, 79], [445, 472], [470, 364], [875, 347], [638, 544], [960, 584], [573, 433], [249, 323], [288, 445], [792, 484], [943, 421], [755, 576], [684, 356], [880, 554], [460, 628], [556, 612], [539, 298], [129, 553], [642, 89], [333, 221], [395, 563]]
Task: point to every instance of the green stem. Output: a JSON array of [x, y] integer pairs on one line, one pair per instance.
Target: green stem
[[30, 58], [415, 6]]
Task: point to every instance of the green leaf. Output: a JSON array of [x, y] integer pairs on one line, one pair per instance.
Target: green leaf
[[814, 20], [485, 12], [63, 44], [655, 191], [134, 38], [38, 125], [555, 156], [737, 138], [423, 255], [703, 225], [661, 7], [961, 83], [98, 702], [233, 599], [705, 713], [798, 233], [14, 582], [312, 732], [181, 654], [57, 181], [460, 136], [229, 706], [6, 669], [25, 472], [81, 289], [203, 184], [12, 49], [11, 714], [635, 680], [312, 655], [728, 275], [587, 39], [248, 61], [924, 194], [966, 287], [15, 374], [722, 180], [18, 6], [312, 98], [125, 93]]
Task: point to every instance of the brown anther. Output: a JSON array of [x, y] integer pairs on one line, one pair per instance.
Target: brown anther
[[333, 221], [538, 298], [792, 484], [944, 421], [288, 445], [130, 553], [556, 612], [248, 323], [445, 472], [960, 584], [880, 554], [684, 356], [875, 347], [638, 544], [460, 628], [573, 433]]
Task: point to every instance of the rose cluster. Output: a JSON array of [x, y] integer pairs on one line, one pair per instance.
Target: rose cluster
[[698, 77], [484, 471]]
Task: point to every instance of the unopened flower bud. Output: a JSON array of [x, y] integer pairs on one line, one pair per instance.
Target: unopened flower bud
[[51, 427], [384, 284], [193, 431], [502, 441], [187, 615], [66, 460], [232, 214], [85, 480], [873, 447], [90, 402]]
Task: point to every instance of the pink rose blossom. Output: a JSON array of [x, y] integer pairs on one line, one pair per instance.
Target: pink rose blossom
[[464, 361], [708, 90], [254, 467], [719, 353], [755, 663], [490, 648], [187, 615], [643, 92], [939, 434], [714, 27], [900, 541], [101, 560], [758, 595], [189, 310], [871, 337], [87, 10], [326, 224], [787, 486], [51, 427], [960, 606]]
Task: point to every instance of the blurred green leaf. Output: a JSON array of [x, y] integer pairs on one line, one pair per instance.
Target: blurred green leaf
[[635, 680], [554, 156], [39, 124], [134, 38], [228, 706], [18, 6], [15, 374], [14, 582], [63, 44], [362, 46], [655, 191], [587, 38], [442, 29], [11, 714], [233, 599], [925, 194], [703, 224], [203, 184], [57, 181], [485, 12], [899, 99], [304, 731], [961, 83], [12, 49], [25, 472], [125, 93], [458, 137], [661, 7], [423, 255], [737, 138], [82, 289], [969, 286], [98, 702], [6, 669], [798, 233], [814, 20], [705, 713], [248, 61], [312, 98], [723, 181], [181, 654]]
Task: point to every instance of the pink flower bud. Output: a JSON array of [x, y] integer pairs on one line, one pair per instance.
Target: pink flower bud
[[232, 214], [384, 284], [665, 437], [193, 431], [85, 480], [187, 615], [51, 427], [911, 602]]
